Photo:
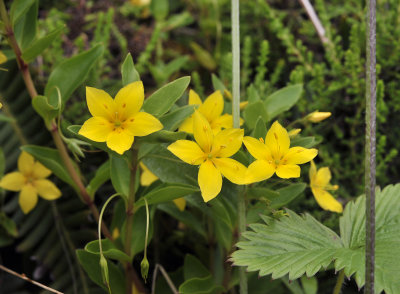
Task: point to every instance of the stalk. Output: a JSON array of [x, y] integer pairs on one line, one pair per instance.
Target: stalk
[[236, 123], [370, 147], [339, 283]]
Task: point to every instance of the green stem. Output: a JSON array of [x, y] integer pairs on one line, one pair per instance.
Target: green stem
[[147, 227], [370, 147], [339, 283], [101, 218]]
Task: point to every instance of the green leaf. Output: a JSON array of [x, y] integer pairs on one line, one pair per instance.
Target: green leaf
[[162, 136], [260, 130], [8, 225], [2, 162], [165, 193], [203, 57], [91, 264], [171, 121], [44, 109], [261, 192], [70, 74], [162, 100], [282, 100], [19, 8], [193, 268], [159, 8], [252, 113], [39, 45], [102, 175], [200, 286], [128, 71], [5, 118], [51, 159], [287, 194], [310, 285], [306, 142], [217, 84], [25, 29], [120, 175], [109, 250]]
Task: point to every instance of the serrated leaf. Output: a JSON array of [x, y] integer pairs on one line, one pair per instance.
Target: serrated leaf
[[162, 100], [128, 71], [282, 100]]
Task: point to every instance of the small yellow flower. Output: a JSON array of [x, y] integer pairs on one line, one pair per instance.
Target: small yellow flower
[[212, 153], [274, 155], [140, 2], [317, 116], [30, 180], [293, 133], [117, 121], [211, 109], [319, 182], [147, 178], [3, 58]]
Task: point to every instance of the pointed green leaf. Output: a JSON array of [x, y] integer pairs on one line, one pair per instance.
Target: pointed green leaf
[[109, 250], [120, 175], [282, 100], [260, 130], [128, 71], [19, 8], [252, 112], [171, 121], [193, 268], [200, 286], [44, 109], [102, 175]]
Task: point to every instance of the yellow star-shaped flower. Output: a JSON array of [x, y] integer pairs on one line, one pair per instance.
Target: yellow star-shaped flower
[[319, 182], [275, 155], [211, 109], [117, 121], [30, 180], [212, 153]]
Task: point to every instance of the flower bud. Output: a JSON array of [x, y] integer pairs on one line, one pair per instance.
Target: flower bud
[[104, 270], [317, 116], [144, 268], [293, 133]]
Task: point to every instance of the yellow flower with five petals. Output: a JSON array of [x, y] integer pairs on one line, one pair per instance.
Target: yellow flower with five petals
[[319, 182], [275, 155], [117, 121], [212, 153], [211, 109], [30, 180]]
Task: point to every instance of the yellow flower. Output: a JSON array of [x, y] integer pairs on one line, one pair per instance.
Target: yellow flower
[[147, 178], [212, 153], [3, 58], [211, 109], [317, 116], [319, 182], [275, 155], [117, 121], [30, 180], [140, 2]]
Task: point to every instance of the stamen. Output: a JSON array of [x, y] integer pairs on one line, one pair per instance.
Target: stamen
[[261, 140]]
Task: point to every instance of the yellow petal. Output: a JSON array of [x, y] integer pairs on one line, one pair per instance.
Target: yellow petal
[[27, 198], [13, 181], [47, 189], [323, 177], [40, 171], [259, 170], [277, 140], [224, 121], [96, 129], [287, 171], [194, 98], [257, 148], [187, 125], [3, 58], [180, 203], [147, 177], [202, 132], [243, 105], [187, 151], [210, 180], [25, 163], [213, 106], [312, 172], [129, 100], [100, 103], [326, 201], [143, 124], [299, 155], [227, 142], [120, 140], [231, 169]]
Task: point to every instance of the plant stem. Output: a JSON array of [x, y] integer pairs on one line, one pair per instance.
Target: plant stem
[[370, 147], [236, 123], [339, 283]]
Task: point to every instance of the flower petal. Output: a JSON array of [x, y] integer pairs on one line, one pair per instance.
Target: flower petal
[[187, 151], [47, 189], [224, 121], [213, 106], [13, 181], [312, 173], [231, 169], [129, 100], [143, 124], [277, 140], [25, 163], [202, 132], [210, 180], [299, 155], [287, 171], [180, 203], [96, 129], [257, 148], [147, 177], [227, 142], [27, 198], [326, 200], [194, 98], [323, 177], [100, 103], [40, 171], [120, 140], [259, 170], [187, 125]]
